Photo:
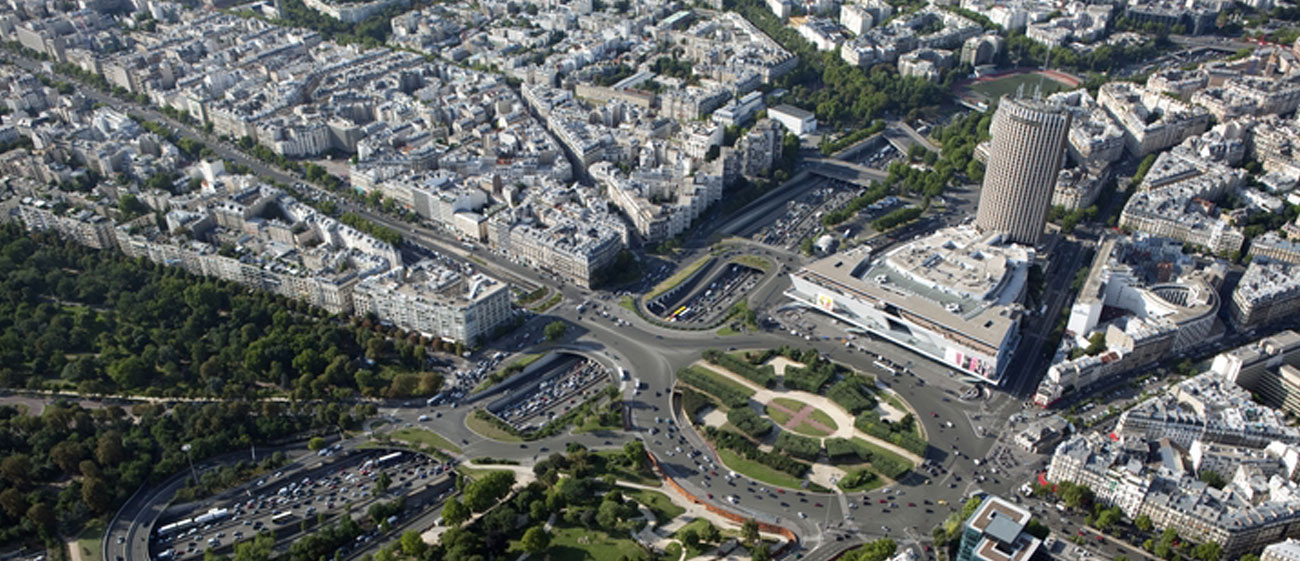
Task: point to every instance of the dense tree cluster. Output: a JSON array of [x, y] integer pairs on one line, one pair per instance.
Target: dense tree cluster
[[842, 96], [70, 463], [96, 322]]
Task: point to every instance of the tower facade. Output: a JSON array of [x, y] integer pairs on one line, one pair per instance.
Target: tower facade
[[1025, 155]]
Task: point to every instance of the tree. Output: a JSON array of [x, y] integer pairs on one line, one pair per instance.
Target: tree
[[749, 532], [13, 502], [412, 545], [1212, 478], [16, 469], [760, 552], [555, 330], [690, 538], [316, 443], [257, 549], [1076, 496], [634, 452], [96, 495], [1108, 518], [1207, 551], [41, 515], [535, 540], [1143, 522], [709, 533], [454, 512], [382, 483], [608, 514]]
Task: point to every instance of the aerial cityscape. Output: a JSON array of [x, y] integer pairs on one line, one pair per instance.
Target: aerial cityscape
[[645, 280]]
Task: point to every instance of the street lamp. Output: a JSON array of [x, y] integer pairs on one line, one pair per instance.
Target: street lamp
[[193, 474]]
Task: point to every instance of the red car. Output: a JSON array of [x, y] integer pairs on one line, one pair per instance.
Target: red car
[[818, 505], [710, 495], [781, 491], [883, 501], [911, 504]]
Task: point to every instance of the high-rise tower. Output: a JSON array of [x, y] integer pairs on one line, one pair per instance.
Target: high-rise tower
[[1025, 155]]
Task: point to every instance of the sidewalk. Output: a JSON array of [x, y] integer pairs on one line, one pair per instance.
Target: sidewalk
[[844, 421]]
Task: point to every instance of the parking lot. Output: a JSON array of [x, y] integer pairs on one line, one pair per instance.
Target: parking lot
[[282, 501], [560, 387]]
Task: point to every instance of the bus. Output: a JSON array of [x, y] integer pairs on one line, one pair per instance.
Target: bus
[[282, 518], [388, 458], [175, 526]]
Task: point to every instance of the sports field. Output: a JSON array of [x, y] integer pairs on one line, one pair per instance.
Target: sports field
[[992, 89]]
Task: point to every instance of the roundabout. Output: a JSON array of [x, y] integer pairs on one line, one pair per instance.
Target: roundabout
[[792, 438]]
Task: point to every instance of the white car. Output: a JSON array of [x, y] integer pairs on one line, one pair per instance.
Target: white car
[[802, 515]]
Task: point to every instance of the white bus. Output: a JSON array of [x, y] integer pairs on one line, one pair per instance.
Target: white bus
[[388, 458], [282, 518]]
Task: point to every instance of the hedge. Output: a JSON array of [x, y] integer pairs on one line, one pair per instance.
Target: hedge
[[761, 375], [857, 479], [749, 422], [846, 450], [729, 396], [871, 424], [749, 450], [798, 446], [852, 394], [890, 467], [811, 378], [693, 401]]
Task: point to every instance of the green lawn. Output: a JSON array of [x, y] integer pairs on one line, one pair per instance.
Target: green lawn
[[548, 303], [727, 331], [672, 552], [91, 541], [677, 278], [698, 525], [424, 437], [779, 416], [808, 429], [475, 473], [1003, 86], [757, 471], [873, 484], [488, 430], [582, 544], [754, 261], [825, 419], [805, 428], [883, 452], [657, 502], [791, 404], [723, 380]]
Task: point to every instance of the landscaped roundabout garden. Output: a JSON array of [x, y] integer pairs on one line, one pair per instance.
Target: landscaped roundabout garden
[[792, 418]]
